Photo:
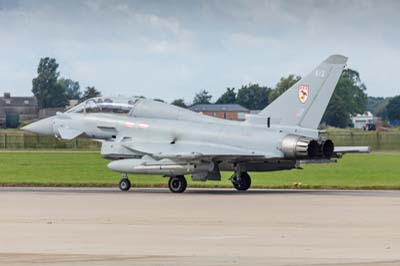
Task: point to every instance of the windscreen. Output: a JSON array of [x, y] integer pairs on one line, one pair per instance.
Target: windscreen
[[104, 105], [107, 107]]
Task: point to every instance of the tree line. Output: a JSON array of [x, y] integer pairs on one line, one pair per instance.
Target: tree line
[[388, 108], [349, 97], [51, 91], [251, 96]]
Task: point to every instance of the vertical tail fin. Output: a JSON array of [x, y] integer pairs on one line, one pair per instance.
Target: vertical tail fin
[[305, 102]]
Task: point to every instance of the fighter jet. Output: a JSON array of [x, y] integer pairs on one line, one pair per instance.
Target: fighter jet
[[143, 136]]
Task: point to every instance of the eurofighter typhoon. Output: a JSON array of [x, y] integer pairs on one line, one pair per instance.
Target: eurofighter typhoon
[[148, 137]]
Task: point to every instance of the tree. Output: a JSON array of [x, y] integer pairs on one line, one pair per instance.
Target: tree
[[179, 102], [48, 92], [228, 97], [71, 87], [373, 103], [336, 113], [283, 85], [377, 106], [90, 92], [253, 96], [393, 108], [349, 98], [203, 97]]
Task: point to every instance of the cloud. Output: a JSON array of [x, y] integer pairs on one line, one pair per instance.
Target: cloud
[[172, 49]]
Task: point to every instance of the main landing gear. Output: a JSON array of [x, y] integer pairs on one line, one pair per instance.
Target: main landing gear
[[241, 181], [177, 184], [124, 183]]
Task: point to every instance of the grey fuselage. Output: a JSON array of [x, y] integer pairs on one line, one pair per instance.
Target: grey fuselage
[[255, 138]]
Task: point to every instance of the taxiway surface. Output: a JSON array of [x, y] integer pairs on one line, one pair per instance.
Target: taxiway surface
[[61, 226]]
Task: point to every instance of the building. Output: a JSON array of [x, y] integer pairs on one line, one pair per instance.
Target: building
[[224, 111], [363, 121], [15, 110], [395, 123]]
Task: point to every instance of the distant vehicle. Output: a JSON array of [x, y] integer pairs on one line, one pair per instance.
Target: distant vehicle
[[370, 127], [365, 121], [149, 137]]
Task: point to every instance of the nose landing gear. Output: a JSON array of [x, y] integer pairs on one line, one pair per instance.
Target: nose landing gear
[[124, 183]]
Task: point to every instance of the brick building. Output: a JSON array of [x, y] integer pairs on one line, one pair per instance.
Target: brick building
[[14, 110], [224, 111]]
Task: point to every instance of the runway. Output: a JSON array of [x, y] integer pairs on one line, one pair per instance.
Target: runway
[[65, 226]]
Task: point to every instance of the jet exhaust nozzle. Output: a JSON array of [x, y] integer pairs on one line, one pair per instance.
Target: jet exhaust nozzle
[[328, 148], [300, 147]]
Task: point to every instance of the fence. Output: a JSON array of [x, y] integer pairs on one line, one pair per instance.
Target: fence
[[16, 141], [19, 140], [376, 140]]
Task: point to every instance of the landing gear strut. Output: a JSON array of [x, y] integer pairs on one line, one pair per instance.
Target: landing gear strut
[[241, 181], [124, 183], [177, 184]]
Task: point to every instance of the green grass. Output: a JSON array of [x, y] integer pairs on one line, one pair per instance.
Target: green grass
[[363, 171]]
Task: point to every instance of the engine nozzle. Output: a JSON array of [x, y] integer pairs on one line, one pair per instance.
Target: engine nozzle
[[300, 147]]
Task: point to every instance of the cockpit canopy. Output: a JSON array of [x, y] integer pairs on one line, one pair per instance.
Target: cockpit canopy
[[137, 107], [113, 105]]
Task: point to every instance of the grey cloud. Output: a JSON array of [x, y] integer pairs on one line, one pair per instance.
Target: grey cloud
[[171, 49]]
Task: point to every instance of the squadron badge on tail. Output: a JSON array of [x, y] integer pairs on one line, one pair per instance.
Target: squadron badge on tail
[[303, 93]]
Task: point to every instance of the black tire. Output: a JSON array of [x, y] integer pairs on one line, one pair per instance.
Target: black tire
[[177, 184], [244, 183], [124, 184]]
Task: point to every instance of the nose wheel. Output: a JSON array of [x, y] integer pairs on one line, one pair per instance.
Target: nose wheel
[[177, 184], [124, 183], [241, 182]]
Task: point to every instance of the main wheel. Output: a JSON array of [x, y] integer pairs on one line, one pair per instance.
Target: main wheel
[[243, 183], [177, 184], [124, 184]]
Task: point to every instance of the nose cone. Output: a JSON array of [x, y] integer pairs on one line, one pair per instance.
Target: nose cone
[[41, 127]]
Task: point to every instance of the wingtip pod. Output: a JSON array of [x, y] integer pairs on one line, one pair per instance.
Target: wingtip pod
[[353, 149], [336, 59]]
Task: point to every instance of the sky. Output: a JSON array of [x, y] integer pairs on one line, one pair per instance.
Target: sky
[[173, 49]]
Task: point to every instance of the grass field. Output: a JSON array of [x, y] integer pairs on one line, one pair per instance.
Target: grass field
[[363, 171]]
